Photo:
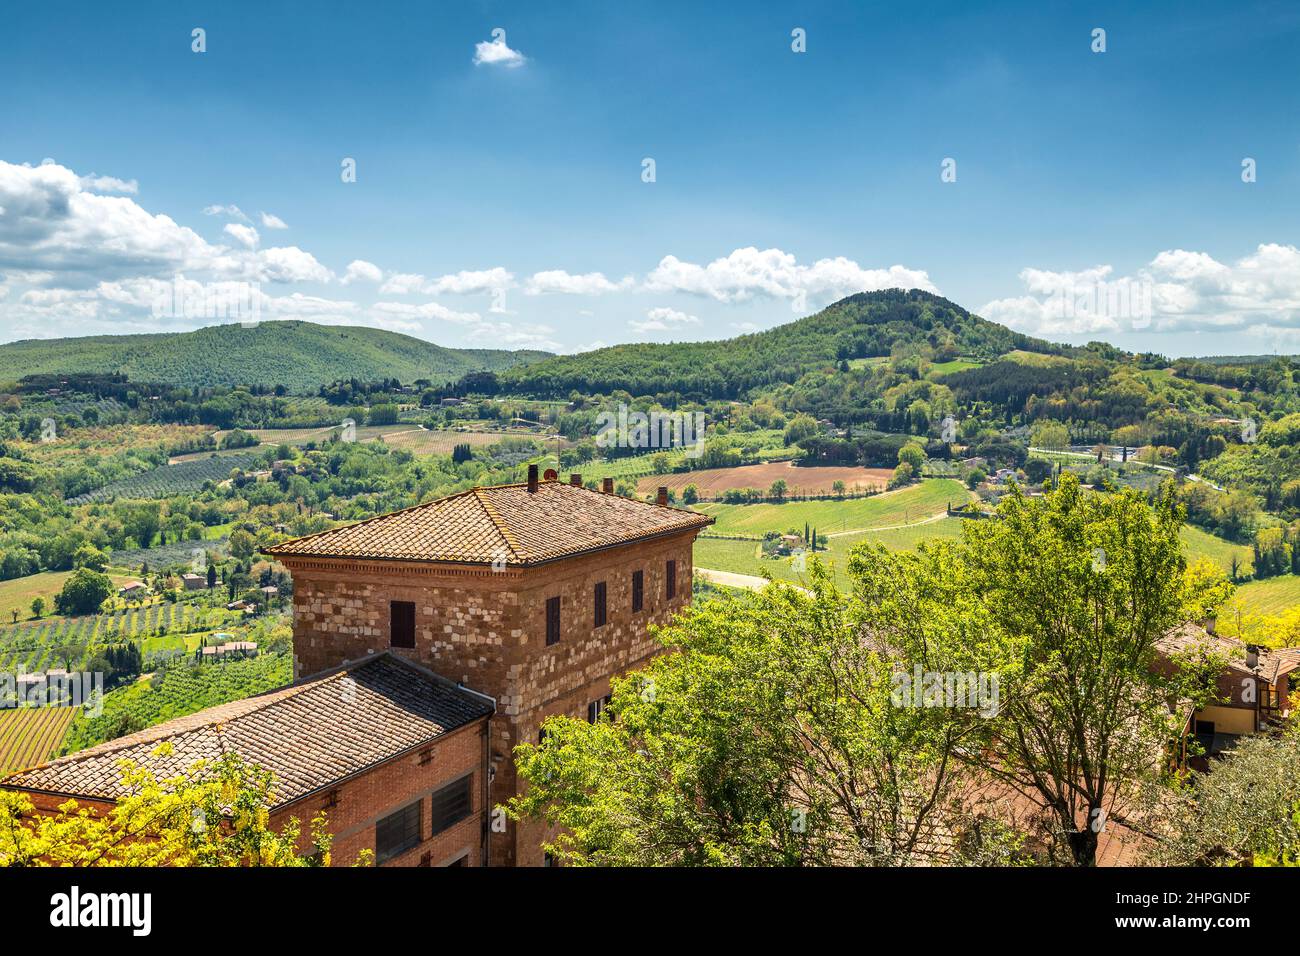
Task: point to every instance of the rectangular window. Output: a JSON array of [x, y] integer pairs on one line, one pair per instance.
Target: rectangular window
[[401, 624], [552, 621], [638, 590], [600, 604], [398, 832], [670, 579], [451, 804], [596, 708]]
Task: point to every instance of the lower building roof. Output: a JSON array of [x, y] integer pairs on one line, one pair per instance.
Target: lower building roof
[[311, 734]]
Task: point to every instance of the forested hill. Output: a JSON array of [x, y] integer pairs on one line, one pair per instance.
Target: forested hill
[[861, 326], [298, 355]]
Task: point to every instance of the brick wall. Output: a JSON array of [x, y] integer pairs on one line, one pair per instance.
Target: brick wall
[[355, 806]]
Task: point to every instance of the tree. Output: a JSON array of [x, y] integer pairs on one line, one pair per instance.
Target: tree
[[89, 556], [800, 427], [242, 544], [903, 475], [1245, 810], [83, 592], [38, 606], [838, 487], [212, 576], [1050, 435], [1081, 585], [771, 737], [213, 814], [912, 454], [690, 494], [777, 490]]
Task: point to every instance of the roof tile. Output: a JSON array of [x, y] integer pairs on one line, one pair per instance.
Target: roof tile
[[504, 524]]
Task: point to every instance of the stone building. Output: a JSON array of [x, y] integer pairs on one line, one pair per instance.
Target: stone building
[[535, 594]]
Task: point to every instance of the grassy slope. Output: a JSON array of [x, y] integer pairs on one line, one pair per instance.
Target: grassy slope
[[902, 507], [299, 355], [17, 594], [1269, 596], [1201, 543]]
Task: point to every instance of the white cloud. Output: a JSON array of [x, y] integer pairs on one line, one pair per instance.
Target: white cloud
[[557, 281], [270, 221], [662, 319], [497, 53], [109, 184], [361, 271], [749, 273], [234, 212], [428, 310], [290, 264], [1178, 290], [466, 282], [515, 336], [245, 235], [52, 223]]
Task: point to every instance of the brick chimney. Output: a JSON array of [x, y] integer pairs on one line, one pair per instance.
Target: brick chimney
[[575, 479], [662, 500], [532, 479], [607, 486]]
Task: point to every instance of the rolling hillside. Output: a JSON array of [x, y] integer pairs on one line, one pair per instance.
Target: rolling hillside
[[860, 326], [298, 355]]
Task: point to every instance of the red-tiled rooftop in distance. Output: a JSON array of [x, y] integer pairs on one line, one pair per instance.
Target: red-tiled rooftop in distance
[[504, 524], [310, 734]]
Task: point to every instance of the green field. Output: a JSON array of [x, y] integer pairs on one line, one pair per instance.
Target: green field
[[907, 506], [31, 735], [1198, 543], [742, 557], [17, 594], [956, 365], [1269, 596]]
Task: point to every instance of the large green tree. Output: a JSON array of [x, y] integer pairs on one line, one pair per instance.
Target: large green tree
[[1081, 586], [771, 736], [83, 592]]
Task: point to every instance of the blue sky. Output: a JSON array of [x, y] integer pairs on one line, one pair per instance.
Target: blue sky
[[502, 202]]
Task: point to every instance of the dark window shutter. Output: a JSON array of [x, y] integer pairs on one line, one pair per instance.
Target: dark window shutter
[[671, 579], [398, 832], [401, 624], [638, 590], [451, 804], [552, 620], [600, 604]]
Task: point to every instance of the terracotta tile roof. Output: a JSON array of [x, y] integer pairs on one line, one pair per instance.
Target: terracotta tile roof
[[310, 734], [505, 524], [1190, 637]]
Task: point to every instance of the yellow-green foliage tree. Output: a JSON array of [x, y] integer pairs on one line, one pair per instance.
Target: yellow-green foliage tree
[[213, 814]]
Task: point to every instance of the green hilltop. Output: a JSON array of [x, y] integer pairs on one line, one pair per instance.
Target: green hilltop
[[861, 326], [298, 355]]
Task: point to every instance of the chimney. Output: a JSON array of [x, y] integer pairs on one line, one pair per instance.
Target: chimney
[[662, 500], [532, 479], [607, 486], [1252, 656], [575, 479]]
